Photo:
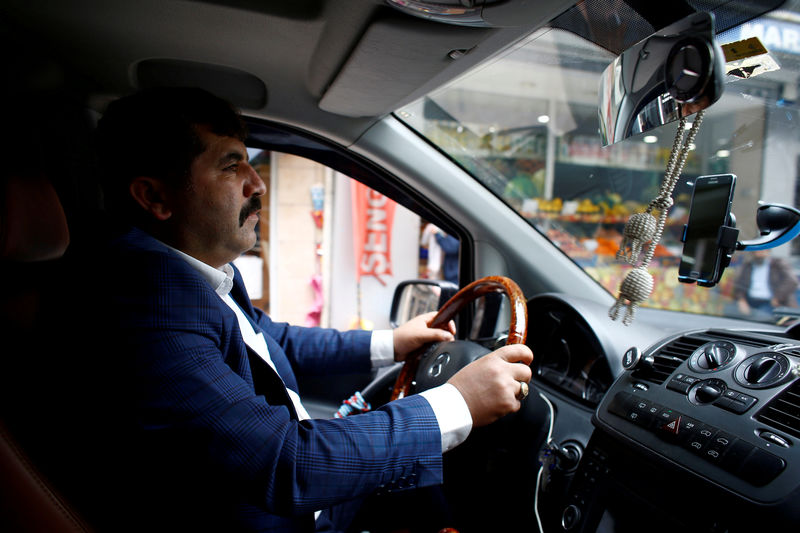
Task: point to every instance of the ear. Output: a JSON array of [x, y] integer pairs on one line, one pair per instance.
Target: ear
[[151, 194]]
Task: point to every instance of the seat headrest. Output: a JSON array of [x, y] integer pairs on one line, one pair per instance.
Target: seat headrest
[[33, 225]]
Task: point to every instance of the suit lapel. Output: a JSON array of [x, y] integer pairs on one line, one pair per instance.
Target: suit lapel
[[276, 353], [268, 383]]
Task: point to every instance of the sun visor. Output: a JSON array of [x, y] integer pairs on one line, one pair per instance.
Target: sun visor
[[395, 57], [242, 89]]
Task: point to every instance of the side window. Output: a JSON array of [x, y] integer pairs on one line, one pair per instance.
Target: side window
[[331, 250]]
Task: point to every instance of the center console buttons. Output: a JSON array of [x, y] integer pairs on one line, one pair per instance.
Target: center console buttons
[[750, 463]]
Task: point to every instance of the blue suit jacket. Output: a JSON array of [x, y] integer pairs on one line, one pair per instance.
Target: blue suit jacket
[[216, 441]]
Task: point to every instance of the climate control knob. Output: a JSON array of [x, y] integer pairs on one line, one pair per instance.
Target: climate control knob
[[707, 391], [712, 356], [762, 370]]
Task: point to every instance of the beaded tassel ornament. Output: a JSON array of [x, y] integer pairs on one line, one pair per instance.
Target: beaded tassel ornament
[[643, 231], [352, 406]]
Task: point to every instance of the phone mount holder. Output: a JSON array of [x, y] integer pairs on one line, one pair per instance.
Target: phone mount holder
[[777, 223]]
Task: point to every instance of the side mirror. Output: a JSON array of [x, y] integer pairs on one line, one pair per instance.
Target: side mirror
[[417, 296], [672, 74]]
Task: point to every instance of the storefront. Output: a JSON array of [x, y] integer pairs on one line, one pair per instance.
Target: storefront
[[331, 251]]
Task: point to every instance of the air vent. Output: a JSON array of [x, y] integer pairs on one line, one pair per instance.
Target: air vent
[[741, 340], [783, 412], [668, 358]]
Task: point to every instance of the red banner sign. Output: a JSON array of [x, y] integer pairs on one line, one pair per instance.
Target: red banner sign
[[373, 216]]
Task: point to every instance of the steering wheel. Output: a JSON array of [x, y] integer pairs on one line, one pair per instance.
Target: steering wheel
[[517, 330]]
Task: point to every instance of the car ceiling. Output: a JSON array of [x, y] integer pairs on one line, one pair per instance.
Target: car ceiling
[[331, 67]]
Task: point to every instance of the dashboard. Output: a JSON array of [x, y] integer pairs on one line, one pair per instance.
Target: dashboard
[[689, 428], [570, 357]]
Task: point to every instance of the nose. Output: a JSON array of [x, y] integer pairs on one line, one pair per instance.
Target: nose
[[254, 185]]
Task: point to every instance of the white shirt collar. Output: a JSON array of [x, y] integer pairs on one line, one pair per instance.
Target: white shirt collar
[[221, 279]]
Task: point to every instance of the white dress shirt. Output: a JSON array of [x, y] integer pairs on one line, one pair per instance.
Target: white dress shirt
[[452, 413]]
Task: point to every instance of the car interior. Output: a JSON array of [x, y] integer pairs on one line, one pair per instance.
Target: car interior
[[532, 132]]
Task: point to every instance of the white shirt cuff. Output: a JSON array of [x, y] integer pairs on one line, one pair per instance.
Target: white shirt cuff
[[381, 348], [452, 414]]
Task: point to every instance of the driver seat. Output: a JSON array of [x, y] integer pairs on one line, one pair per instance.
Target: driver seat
[[33, 236]]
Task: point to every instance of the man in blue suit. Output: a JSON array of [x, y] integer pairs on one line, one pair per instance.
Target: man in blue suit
[[207, 413]]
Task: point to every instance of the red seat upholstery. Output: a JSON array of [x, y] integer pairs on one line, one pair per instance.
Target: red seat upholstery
[[33, 229]]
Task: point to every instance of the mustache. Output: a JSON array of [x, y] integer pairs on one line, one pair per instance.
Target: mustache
[[253, 205]]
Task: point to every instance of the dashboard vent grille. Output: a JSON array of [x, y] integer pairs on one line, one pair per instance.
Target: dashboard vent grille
[[783, 412], [740, 339], [743, 340], [668, 358], [793, 352], [788, 347]]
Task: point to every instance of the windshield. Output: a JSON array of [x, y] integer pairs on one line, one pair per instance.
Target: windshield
[[526, 126]]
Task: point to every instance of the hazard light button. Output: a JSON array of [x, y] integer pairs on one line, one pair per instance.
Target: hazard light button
[[669, 427]]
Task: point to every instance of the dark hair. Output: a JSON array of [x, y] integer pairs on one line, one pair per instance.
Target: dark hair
[[153, 133]]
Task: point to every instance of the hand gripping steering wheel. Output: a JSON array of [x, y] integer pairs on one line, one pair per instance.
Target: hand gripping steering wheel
[[517, 329]]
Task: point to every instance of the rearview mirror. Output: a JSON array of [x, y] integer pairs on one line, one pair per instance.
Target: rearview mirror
[[673, 73], [414, 297]]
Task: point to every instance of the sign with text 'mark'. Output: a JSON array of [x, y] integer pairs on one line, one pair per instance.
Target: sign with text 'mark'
[[373, 216]]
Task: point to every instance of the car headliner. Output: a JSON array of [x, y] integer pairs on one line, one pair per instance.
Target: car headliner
[[332, 68], [329, 67]]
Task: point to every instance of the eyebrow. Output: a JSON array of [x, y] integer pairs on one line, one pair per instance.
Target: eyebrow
[[230, 157]]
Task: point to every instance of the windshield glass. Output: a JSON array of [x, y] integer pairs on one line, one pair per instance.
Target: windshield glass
[[526, 126]]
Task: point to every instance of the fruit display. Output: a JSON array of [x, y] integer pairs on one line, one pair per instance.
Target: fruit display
[[609, 209], [568, 244], [551, 206], [587, 207]]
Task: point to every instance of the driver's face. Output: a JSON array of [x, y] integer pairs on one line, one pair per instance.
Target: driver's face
[[216, 213]]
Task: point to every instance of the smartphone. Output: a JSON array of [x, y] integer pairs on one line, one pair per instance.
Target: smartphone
[[709, 211]]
